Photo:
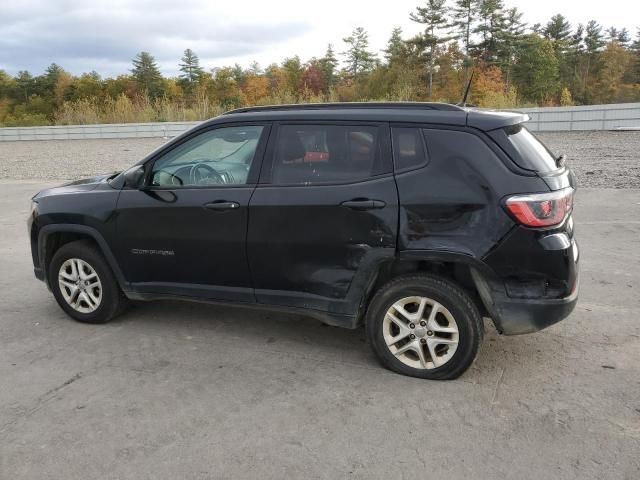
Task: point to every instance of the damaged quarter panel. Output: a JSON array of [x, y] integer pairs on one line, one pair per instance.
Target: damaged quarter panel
[[453, 204]]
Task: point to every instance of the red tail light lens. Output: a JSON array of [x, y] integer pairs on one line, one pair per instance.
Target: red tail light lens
[[541, 209]]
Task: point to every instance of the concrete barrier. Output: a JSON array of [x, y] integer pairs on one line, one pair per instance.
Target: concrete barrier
[[83, 132], [590, 117], [616, 116]]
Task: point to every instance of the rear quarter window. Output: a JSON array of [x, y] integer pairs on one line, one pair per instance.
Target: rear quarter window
[[409, 151], [527, 151]]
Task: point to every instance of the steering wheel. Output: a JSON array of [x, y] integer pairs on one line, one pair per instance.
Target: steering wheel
[[201, 171], [173, 179]]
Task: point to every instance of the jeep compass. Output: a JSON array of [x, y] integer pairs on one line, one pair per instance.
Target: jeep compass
[[416, 220]]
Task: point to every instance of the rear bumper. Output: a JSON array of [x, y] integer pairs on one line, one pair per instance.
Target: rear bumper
[[518, 316]]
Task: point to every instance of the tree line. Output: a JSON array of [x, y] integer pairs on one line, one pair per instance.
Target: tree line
[[513, 64]]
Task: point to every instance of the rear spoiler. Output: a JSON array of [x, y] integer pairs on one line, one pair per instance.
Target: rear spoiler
[[493, 119]]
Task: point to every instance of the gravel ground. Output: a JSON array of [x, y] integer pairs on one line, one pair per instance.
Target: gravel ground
[[600, 159], [195, 391]]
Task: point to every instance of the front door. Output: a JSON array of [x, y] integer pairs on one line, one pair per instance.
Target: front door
[[184, 232], [324, 215]]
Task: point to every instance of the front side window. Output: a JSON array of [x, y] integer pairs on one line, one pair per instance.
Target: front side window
[[316, 154], [216, 157]]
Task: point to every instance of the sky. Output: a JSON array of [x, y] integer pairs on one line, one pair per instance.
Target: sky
[[104, 35]]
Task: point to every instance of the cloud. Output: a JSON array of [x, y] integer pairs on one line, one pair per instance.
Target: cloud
[[104, 36]]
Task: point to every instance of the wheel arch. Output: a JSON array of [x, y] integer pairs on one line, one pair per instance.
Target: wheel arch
[[466, 271], [52, 237]]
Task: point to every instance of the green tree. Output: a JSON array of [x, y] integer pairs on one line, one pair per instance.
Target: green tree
[[357, 56], [612, 34], [572, 63], [88, 86], [293, 71], [536, 72], [614, 62], [509, 40], [593, 41], [464, 14], [24, 83], [633, 73], [558, 31], [434, 18], [146, 74], [490, 26], [238, 73], [328, 64], [224, 88], [593, 37], [7, 84], [396, 49], [190, 68], [624, 38]]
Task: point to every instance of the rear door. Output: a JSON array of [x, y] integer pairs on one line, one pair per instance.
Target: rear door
[[324, 215]]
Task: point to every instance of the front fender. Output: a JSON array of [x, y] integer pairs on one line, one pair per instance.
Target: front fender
[[46, 231]]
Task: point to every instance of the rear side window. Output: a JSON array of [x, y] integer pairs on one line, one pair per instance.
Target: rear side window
[[531, 153], [409, 151], [316, 154]]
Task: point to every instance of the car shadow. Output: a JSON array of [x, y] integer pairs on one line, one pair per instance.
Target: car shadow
[[303, 335]]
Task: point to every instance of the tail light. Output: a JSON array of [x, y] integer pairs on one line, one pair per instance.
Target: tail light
[[541, 209]]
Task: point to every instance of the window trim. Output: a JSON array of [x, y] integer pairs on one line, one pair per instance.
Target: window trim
[[254, 170], [383, 142], [425, 147]]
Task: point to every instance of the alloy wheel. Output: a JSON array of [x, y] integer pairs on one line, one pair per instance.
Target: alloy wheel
[[420, 332], [80, 285]]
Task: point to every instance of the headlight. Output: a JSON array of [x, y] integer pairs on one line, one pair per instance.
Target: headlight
[[34, 206]]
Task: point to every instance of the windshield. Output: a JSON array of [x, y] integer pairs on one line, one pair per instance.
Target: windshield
[[532, 153]]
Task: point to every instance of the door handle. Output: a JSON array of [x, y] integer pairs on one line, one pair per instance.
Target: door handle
[[222, 205], [363, 204]]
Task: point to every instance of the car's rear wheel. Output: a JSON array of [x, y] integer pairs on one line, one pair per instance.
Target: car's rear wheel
[[83, 284], [424, 326]]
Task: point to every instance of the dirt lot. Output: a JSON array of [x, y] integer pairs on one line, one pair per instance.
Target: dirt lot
[[180, 390], [600, 159]]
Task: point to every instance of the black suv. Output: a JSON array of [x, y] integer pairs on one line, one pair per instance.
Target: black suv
[[414, 219]]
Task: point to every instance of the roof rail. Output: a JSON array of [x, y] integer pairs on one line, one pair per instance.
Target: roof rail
[[350, 105]]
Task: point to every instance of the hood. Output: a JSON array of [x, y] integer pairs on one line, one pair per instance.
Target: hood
[[83, 185]]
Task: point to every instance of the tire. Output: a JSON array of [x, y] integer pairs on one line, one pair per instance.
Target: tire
[[454, 338], [101, 284]]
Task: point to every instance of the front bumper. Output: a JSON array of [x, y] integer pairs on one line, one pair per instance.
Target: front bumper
[[39, 273]]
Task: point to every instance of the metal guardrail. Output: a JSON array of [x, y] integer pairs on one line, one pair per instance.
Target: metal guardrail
[[590, 117], [110, 130]]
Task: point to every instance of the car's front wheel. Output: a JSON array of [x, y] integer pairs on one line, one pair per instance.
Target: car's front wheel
[[83, 284], [424, 326]]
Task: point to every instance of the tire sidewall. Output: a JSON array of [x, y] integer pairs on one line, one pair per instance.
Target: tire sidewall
[[465, 317]]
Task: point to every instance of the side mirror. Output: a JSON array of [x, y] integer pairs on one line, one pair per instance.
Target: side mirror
[[133, 177]]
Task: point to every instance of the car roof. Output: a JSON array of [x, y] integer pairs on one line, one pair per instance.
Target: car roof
[[400, 112]]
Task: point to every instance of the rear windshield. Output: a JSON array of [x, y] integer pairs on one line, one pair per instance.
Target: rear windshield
[[532, 153]]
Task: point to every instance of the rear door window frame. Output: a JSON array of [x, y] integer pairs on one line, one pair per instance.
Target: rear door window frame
[[384, 144]]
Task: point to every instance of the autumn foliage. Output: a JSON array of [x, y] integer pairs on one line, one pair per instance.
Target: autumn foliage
[[512, 65]]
